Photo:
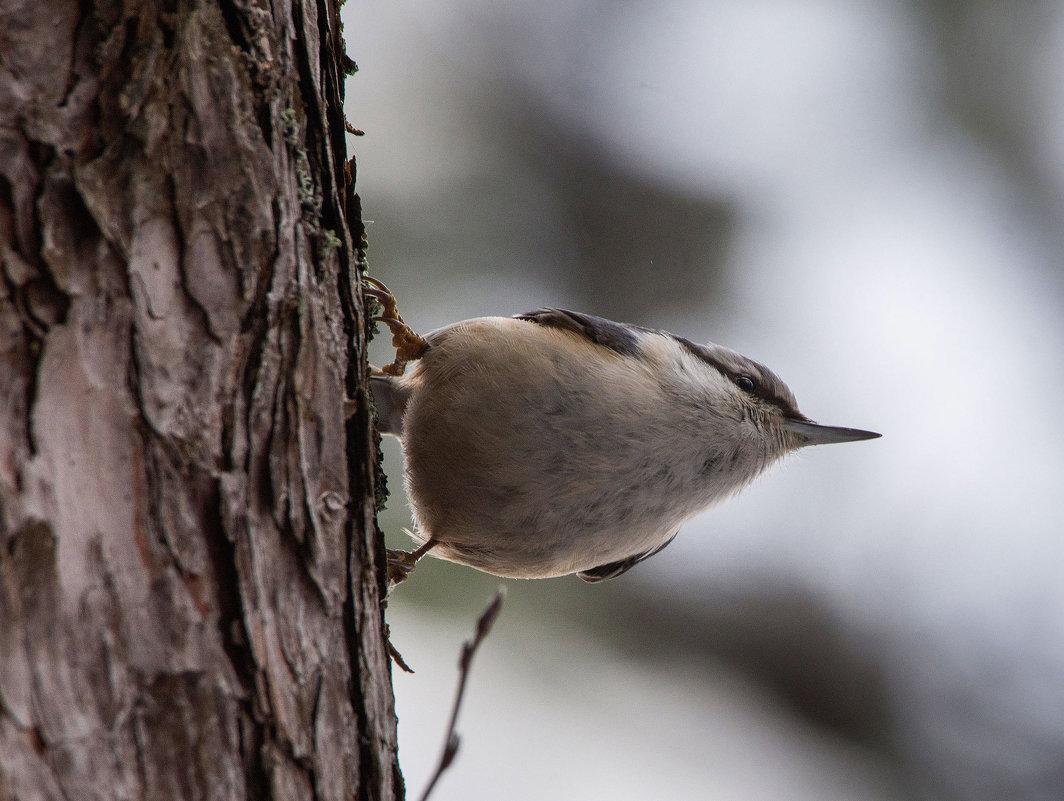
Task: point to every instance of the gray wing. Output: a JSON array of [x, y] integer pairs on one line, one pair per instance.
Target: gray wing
[[389, 398], [618, 337], [613, 569]]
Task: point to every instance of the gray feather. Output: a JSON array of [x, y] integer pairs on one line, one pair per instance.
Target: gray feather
[[618, 337], [614, 569], [389, 398]]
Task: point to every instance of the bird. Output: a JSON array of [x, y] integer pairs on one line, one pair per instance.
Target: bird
[[556, 442]]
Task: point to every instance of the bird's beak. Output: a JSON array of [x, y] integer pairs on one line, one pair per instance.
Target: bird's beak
[[809, 433]]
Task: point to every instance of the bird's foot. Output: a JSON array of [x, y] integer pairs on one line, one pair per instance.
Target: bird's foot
[[402, 563], [408, 344]]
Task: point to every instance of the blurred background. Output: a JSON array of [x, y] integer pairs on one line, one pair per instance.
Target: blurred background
[[867, 197]]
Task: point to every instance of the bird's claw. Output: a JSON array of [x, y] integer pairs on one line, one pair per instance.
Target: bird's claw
[[408, 344], [402, 563]]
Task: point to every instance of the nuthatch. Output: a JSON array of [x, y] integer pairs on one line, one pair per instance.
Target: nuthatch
[[555, 442]]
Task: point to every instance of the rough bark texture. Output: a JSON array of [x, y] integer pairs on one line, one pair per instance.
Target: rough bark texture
[[189, 568]]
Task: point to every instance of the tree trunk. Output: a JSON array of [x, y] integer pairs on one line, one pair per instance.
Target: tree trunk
[[190, 572]]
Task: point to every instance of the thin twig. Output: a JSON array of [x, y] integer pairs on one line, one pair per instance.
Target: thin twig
[[469, 648], [393, 652]]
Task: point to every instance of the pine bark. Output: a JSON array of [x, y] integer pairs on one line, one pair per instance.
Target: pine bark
[[190, 571]]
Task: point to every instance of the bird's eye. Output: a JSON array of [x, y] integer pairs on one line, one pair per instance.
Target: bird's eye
[[745, 383]]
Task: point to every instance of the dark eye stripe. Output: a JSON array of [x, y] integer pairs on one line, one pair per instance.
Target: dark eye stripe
[[767, 386]]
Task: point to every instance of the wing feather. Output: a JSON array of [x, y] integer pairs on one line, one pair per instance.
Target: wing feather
[[618, 337], [614, 569]]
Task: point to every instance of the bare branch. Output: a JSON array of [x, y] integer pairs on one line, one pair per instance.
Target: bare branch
[[393, 652], [469, 648]]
